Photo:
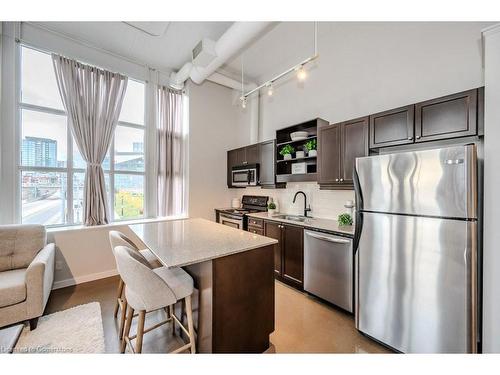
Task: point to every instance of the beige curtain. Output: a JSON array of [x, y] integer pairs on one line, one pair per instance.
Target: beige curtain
[[93, 100], [170, 151]]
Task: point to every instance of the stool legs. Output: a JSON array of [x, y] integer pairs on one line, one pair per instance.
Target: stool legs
[[126, 332], [140, 331], [122, 317], [189, 311], [119, 296]]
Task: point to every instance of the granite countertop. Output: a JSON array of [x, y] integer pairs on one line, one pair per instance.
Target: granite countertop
[[180, 243], [327, 225]]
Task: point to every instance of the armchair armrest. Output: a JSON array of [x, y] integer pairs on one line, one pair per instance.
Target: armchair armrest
[[39, 279]]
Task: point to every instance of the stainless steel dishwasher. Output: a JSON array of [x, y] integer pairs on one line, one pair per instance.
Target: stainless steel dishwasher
[[328, 268]]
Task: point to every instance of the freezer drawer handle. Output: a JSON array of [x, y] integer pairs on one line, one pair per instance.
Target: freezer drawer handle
[[330, 239]]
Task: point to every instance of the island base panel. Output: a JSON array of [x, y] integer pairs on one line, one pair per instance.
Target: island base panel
[[236, 302]]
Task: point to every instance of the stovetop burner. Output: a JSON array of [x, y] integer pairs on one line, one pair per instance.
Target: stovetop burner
[[239, 211], [251, 204]]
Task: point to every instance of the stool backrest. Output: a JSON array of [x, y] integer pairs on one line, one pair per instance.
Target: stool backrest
[[117, 238], [147, 290]]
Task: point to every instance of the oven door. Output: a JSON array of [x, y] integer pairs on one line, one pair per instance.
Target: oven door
[[231, 221]]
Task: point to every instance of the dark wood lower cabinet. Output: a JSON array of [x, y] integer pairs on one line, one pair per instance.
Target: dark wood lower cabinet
[[273, 230], [293, 254], [288, 252]]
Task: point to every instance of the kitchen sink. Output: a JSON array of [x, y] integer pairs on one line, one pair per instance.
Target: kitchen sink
[[292, 217]]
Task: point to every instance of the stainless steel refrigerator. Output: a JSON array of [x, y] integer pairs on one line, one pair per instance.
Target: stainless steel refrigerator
[[416, 249]]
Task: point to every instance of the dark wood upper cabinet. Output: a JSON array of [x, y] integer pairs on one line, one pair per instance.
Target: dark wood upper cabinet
[[339, 146], [273, 230], [293, 254], [391, 128], [329, 154], [353, 144], [267, 174], [252, 154], [447, 117], [232, 160], [241, 156]]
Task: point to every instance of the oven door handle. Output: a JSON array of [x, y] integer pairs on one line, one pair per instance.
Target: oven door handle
[[229, 219]]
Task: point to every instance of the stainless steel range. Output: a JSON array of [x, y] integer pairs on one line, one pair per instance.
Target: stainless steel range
[[236, 217]]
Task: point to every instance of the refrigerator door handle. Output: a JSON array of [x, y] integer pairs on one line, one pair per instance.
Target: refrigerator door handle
[[359, 206], [470, 262]]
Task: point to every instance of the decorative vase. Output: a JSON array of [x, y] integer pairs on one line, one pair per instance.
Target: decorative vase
[[312, 153], [287, 156], [300, 154], [271, 212]]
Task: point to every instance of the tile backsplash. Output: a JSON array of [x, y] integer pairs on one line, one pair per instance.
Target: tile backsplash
[[326, 204]]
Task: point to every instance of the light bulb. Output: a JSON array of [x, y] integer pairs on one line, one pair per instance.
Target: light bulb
[[301, 73], [244, 102], [270, 89]]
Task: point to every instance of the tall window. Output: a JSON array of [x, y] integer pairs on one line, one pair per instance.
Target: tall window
[[52, 171]]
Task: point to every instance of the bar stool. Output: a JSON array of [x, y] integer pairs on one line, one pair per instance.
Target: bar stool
[[149, 290], [117, 238]]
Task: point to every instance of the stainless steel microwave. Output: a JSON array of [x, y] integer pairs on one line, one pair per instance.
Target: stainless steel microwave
[[245, 175]]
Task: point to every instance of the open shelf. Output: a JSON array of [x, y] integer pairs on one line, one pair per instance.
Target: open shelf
[[305, 158], [297, 141], [297, 177]]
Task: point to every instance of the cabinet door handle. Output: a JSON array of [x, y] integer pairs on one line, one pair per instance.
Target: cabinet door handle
[[418, 137], [336, 180], [341, 180], [410, 138]]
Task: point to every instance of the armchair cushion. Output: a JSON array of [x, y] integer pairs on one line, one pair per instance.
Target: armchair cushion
[[19, 244], [12, 287], [39, 280]]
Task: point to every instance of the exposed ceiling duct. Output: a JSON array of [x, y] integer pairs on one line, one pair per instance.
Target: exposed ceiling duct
[[237, 37]]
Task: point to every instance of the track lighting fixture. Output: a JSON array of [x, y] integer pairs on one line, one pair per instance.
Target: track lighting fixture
[[301, 73], [270, 89], [299, 69]]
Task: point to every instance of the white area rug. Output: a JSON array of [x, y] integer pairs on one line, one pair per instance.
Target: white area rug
[[76, 330]]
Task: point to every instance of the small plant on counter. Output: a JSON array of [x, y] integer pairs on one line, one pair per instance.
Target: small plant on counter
[[271, 208], [311, 147], [287, 151], [344, 219]]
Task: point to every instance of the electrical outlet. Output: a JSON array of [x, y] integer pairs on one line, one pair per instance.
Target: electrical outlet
[[59, 265]]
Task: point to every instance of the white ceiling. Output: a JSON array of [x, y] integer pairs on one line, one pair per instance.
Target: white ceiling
[[168, 51], [281, 48]]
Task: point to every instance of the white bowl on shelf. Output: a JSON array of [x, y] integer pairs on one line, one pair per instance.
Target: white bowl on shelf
[[298, 136]]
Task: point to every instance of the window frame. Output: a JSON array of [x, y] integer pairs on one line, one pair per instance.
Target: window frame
[[69, 169]]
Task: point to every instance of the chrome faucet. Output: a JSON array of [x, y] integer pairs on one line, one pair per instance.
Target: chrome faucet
[[306, 209]]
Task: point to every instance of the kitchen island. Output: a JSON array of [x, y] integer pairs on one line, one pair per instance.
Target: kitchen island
[[233, 273]]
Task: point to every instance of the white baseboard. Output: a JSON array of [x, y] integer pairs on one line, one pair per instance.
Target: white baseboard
[[84, 279]]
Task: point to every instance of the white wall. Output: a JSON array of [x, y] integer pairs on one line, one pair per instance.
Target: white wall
[[214, 128], [491, 235], [364, 68]]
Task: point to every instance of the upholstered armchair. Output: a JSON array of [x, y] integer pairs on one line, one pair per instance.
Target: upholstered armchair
[[26, 273]]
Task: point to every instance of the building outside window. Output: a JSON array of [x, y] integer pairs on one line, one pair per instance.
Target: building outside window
[[52, 171]]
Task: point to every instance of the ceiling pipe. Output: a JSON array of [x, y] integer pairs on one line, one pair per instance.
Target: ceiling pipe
[[224, 80], [237, 37]]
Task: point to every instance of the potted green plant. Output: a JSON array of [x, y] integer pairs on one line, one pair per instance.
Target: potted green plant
[[311, 147], [287, 151], [344, 220], [271, 208]]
